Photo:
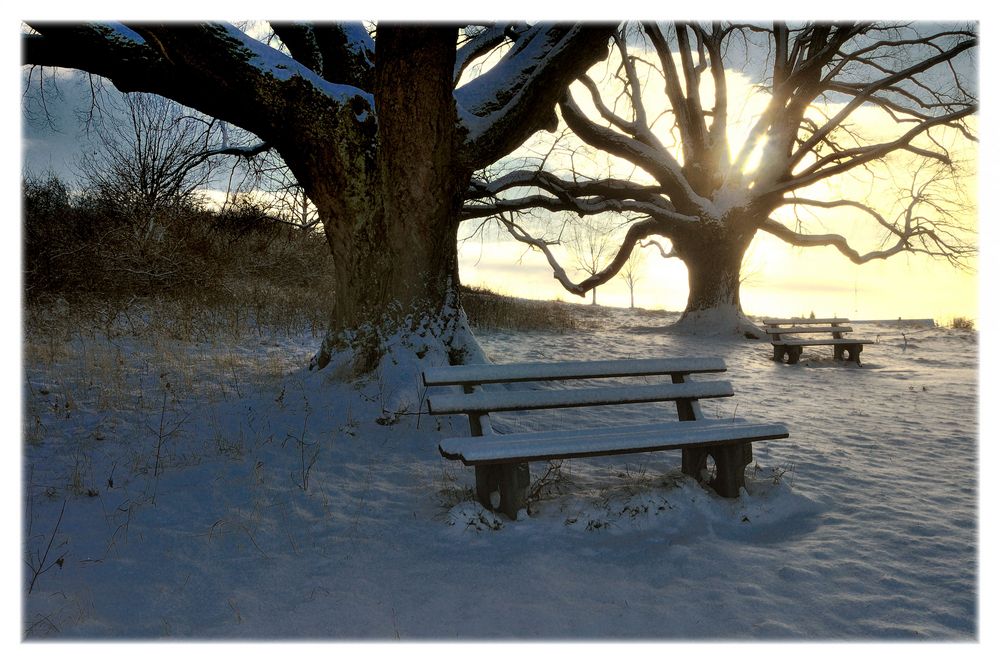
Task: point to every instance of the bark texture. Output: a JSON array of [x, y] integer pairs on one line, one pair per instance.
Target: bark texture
[[401, 215]]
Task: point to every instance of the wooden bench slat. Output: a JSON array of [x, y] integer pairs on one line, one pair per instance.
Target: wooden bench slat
[[820, 342], [806, 330], [482, 374], [666, 427], [598, 442], [446, 404]]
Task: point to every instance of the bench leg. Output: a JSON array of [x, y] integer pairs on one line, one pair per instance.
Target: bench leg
[[509, 480], [487, 481], [694, 461], [854, 353], [794, 352], [730, 466]]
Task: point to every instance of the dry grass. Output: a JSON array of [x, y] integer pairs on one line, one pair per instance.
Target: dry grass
[[491, 311]]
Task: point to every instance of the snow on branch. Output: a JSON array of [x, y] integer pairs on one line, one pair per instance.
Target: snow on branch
[[482, 42], [339, 52], [583, 197], [657, 162], [214, 68], [581, 206], [300, 40], [561, 187], [502, 107], [272, 62]]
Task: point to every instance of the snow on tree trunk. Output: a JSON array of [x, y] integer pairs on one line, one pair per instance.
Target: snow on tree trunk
[[713, 261]]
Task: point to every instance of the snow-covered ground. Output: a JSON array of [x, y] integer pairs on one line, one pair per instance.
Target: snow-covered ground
[[221, 491]]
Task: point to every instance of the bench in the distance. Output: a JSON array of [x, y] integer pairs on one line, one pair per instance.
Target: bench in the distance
[[501, 460], [783, 345]]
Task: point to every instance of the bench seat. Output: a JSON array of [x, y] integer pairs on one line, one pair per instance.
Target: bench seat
[[821, 342], [804, 321], [568, 444]]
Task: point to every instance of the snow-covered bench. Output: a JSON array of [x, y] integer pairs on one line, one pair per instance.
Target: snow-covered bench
[[501, 460], [837, 327]]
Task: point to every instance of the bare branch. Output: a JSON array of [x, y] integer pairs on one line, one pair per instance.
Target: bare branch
[[636, 232], [875, 86], [663, 253], [853, 158], [935, 246]]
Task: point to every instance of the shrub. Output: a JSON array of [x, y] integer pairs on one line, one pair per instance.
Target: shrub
[[84, 243], [204, 273], [962, 323]]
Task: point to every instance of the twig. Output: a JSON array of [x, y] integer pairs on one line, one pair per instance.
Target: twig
[[41, 569]]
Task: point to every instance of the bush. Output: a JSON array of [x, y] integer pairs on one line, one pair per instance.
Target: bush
[[202, 273], [85, 244], [962, 323], [54, 237]]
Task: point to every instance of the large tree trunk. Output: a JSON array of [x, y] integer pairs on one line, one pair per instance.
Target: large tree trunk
[[713, 258], [391, 229], [713, 274]]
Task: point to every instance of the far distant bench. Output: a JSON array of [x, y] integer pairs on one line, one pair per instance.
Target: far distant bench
[[792, 347], [501, 460]]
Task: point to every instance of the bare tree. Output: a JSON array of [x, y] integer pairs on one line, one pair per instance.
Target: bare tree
[[382, 133], [150, 158], [852, 105], [591, 245], [632, 272]]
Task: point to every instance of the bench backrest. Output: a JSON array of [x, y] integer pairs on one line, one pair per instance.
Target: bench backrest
[[476, 401], [492, 402], [834, 326], [804, 321], [805, 329], [483, 374]]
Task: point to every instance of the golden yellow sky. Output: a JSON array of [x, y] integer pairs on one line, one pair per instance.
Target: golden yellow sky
[[788, 282]]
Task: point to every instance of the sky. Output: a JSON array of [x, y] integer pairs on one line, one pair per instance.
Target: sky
[[786, 283], [781, 280]]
